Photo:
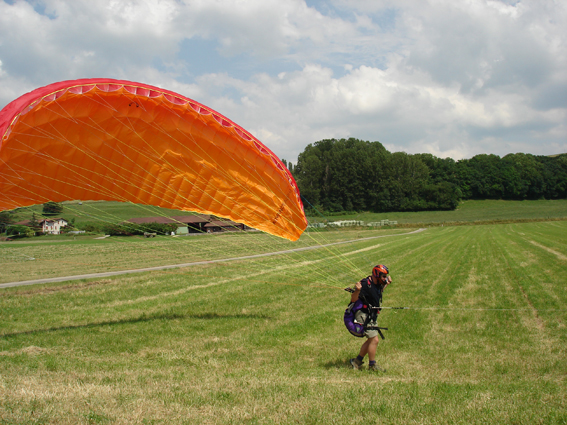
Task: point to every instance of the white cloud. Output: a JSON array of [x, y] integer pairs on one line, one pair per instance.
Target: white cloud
[[450, 78]]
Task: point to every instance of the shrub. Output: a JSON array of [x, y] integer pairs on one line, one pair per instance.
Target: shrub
[[19, 231], [159, 228], [129, 229], [90, 227], [120, 230]]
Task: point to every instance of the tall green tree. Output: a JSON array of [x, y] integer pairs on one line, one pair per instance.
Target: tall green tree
[[484, 177], [554, 174], [440, 169], [350, 174], [339, 175], [34, 223], [52, 208], [516, 176], [522, 176], [6, 218], [406, 176], [309, 174]]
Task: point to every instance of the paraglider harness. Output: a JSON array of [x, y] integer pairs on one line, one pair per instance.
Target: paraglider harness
[[358, 329]]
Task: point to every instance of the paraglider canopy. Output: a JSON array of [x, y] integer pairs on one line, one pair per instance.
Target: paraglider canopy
[[103, 139]]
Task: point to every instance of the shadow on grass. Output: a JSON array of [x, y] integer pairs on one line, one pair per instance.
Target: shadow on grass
[[140, 319], [338, 364]]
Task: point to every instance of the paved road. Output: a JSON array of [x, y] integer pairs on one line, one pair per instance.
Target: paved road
[[196, 263]]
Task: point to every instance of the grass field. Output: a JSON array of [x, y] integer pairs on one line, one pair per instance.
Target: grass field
[[471, 211], [53, 256], [261, 341]]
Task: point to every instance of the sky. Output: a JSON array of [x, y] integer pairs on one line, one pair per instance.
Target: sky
[[454, 78]]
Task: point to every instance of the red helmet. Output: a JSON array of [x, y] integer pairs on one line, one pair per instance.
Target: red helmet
[[380, 269]]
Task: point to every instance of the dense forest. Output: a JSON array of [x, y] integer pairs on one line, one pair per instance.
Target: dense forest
[[354, 175]]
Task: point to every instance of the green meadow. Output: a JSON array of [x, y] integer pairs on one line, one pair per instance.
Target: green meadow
[[469, 212], [261, 340], [66, 255]]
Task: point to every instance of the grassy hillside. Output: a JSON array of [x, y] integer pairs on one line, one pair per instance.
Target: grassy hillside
[[468, 211], [261, 341], [99, 211]]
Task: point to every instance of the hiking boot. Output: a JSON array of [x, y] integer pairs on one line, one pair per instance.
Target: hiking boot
[[355, 363], [376, 368]]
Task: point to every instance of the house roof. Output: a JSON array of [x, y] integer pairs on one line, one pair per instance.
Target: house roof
[[51, 219], [188, 219], [184, 219], [218, 223], [28, 222]]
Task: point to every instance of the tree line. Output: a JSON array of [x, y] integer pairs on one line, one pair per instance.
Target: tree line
[[354, 175]]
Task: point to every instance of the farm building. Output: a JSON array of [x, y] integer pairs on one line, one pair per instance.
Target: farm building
[[198, 223], [223, 226], [192, 223], [50, 226]]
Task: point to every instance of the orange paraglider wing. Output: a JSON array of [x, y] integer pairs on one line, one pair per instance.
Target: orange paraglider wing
[[102, 139]]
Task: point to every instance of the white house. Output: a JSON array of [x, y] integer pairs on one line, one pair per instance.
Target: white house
[[52, 225]]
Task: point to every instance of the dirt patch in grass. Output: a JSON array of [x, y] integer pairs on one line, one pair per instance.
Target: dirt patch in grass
[[54, 289], [551, 251], [539, 322], [32, 350]]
